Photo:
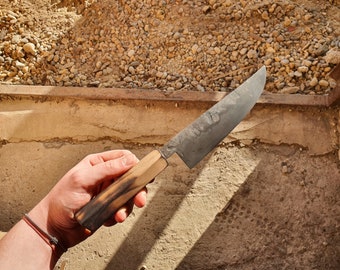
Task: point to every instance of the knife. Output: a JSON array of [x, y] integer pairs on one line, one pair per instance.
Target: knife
[[192, 144]]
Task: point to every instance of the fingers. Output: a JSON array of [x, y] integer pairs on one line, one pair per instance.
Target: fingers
[[120, 216], [95, 159], [140, 198], [111, 166]]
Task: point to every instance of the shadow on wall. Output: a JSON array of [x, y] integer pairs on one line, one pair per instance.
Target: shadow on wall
[[158, 214], [285, 216]]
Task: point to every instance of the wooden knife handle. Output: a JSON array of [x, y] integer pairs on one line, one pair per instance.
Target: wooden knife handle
[[106, 203]]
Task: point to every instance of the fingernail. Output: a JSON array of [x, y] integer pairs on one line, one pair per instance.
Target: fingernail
[[129, 160], [121, 215]]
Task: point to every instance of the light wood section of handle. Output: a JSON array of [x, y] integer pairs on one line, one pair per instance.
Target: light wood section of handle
[[105, 204]]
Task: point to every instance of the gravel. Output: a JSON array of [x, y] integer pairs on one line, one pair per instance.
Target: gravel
[[170, 45]]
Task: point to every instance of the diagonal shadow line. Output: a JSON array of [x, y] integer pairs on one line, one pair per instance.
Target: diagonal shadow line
[[269, 215], [156, 217], [209, 246]]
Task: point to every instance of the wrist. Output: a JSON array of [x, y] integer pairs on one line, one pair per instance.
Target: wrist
[[39, 221]]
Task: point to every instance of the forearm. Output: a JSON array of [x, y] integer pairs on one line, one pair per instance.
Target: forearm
[[23, 248]]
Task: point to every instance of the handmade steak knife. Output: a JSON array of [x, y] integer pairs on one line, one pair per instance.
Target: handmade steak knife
[[192, 144]]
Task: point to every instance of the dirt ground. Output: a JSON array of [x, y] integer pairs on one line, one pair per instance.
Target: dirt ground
[[249, 205]]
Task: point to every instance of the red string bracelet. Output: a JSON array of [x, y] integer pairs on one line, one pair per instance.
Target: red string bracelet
[[52, 241]]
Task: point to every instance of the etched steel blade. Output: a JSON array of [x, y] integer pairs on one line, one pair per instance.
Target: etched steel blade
[[194, 142]]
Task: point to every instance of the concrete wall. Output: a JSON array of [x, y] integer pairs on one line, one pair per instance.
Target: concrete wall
[[43, 136]]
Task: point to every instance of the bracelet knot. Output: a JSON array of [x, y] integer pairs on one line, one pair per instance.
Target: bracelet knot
[[52, 241]]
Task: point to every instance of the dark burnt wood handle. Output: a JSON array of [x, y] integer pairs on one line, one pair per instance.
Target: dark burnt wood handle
[[106, 203]]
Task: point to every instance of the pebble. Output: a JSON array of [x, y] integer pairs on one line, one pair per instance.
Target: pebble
[[306, 63], [252, 54], [314, 82], [290, 90], [333, 57], [194, 48], [323, 83], [243, 51], [303, 69], [297, 74], [158, 49], [29, 48]]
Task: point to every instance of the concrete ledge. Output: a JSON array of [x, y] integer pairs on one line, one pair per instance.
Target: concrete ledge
[[51, 114], [55, 92]]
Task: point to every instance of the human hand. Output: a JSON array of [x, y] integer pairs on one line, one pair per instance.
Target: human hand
[[76, 188]]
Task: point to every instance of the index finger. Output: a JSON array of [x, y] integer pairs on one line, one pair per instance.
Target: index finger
[[95, 159], [115, 166]]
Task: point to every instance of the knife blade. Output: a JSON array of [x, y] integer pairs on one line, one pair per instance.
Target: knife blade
[[191, 144]]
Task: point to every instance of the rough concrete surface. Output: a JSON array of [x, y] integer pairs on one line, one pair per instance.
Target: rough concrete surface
[[262, 207], [266, 198]]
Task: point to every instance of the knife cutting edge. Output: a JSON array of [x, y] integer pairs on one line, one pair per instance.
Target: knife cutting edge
[[191, 144]]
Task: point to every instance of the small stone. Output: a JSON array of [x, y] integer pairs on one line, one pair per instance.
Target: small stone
[[268, 61], [234, 56], [128, 79], [29, 48], [265, 15], [333, 57], [94, 84], [206, 9], [286, 168], [178, 85], [252, 54], [287, 22], [135, 64], [217, 50], [280, 38], [177, 35], [297, 74], [16, 39], [131, 53], [284, 61], [308, 16], [131, 70], [228, 3], [308, 30], [290, 90], [18, 64], [322, 50], [194, 48], [314, 82], [200, 88], [243, 51], [323, 83], [327, 69], [275, 33], [98, 64], [332, 83], [306, 63], [303, 69], [270, 50]]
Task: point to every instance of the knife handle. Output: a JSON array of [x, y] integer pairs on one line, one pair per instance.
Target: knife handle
[[106, 204]]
